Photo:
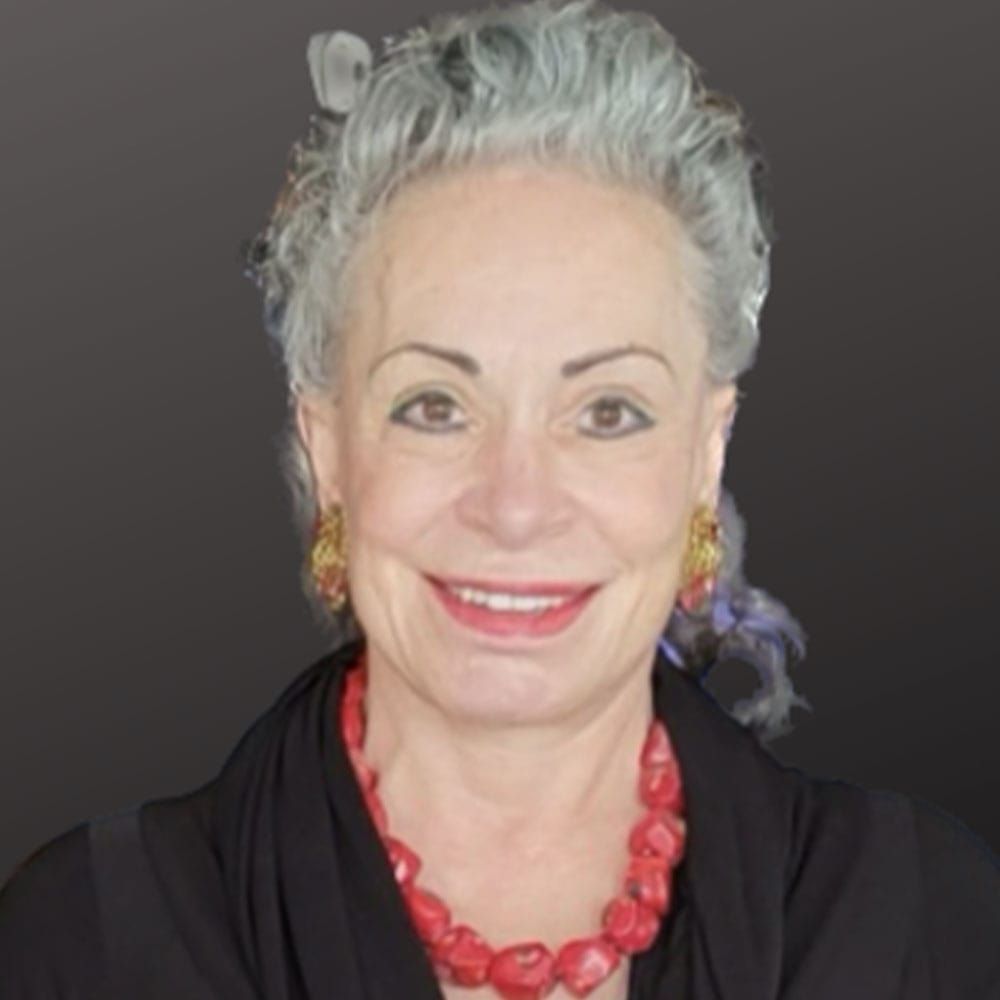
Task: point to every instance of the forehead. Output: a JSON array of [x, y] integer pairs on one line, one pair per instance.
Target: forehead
[[496, 255]]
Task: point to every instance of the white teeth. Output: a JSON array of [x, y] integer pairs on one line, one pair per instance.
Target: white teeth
[[506, 602]]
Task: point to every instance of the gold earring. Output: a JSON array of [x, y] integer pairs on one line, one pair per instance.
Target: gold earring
[[328, 556], [701, 559]]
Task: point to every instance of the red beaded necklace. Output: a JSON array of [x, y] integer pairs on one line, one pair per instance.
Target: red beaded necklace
[[529, 970]]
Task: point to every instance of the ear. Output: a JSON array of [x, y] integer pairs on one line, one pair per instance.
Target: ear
[[317, 423], [720, 412]]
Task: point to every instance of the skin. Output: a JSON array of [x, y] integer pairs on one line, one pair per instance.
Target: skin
[[513, 763]]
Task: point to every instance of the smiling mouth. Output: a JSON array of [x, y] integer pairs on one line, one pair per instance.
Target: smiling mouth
[[532, 610], [515, 588]]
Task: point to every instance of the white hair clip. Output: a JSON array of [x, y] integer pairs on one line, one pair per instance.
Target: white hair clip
[[339, 64]]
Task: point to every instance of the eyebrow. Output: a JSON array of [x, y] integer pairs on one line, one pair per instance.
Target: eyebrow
[[574, 366]]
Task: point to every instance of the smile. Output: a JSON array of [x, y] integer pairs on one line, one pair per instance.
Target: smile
[[515, 611]]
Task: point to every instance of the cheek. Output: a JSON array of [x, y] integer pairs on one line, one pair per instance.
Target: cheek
[[396, 501], [645, 518]]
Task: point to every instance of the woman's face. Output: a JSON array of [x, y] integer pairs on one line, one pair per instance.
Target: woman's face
[[474, 438]]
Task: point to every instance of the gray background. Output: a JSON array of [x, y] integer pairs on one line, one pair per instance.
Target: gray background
[[149, 565]]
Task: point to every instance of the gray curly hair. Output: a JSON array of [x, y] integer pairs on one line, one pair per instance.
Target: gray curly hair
[[549, 82]]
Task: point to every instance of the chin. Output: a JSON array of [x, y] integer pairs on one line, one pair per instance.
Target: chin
[[482, 687]]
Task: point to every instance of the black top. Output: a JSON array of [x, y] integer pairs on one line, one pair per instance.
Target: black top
[[270, 882]]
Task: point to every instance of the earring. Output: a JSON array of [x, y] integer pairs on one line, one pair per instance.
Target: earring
[[701, 559], [328, 556]]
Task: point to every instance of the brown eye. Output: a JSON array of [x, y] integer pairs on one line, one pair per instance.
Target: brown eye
[[431, 408], [607, 412]]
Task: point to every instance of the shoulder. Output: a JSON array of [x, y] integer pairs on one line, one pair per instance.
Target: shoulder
[[902, 872], [50, 944], [960, 890], [832, 816]]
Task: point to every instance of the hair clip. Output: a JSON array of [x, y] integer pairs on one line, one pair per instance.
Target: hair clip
[[339, 64]]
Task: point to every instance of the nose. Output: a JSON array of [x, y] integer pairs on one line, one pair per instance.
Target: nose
[[517, 496]]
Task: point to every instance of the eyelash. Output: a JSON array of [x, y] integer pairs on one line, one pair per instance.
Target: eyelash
[[397, 414]]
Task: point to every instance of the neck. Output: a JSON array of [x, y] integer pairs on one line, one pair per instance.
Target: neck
[[518, 790]]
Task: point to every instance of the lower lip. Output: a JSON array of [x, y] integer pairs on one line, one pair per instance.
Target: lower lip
[[513, 623]]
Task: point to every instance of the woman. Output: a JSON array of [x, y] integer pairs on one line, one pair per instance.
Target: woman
[[505, 779]]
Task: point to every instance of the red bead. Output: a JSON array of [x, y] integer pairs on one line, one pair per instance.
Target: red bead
[[429, 913], [629, 924], [656, 751], [462, 956], [355, 683], [523, 971], [405, 863], [362, 769], [660, 786], [659, 832], [648, 881], [584, 963], [351, 725], [694, 594]]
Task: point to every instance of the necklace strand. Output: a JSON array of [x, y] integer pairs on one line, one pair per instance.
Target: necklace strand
[[529, 970]]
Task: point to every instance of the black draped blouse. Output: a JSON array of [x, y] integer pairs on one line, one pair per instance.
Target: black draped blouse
[[270, 882]]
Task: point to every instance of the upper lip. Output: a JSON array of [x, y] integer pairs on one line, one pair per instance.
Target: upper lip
[[548, 588]]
